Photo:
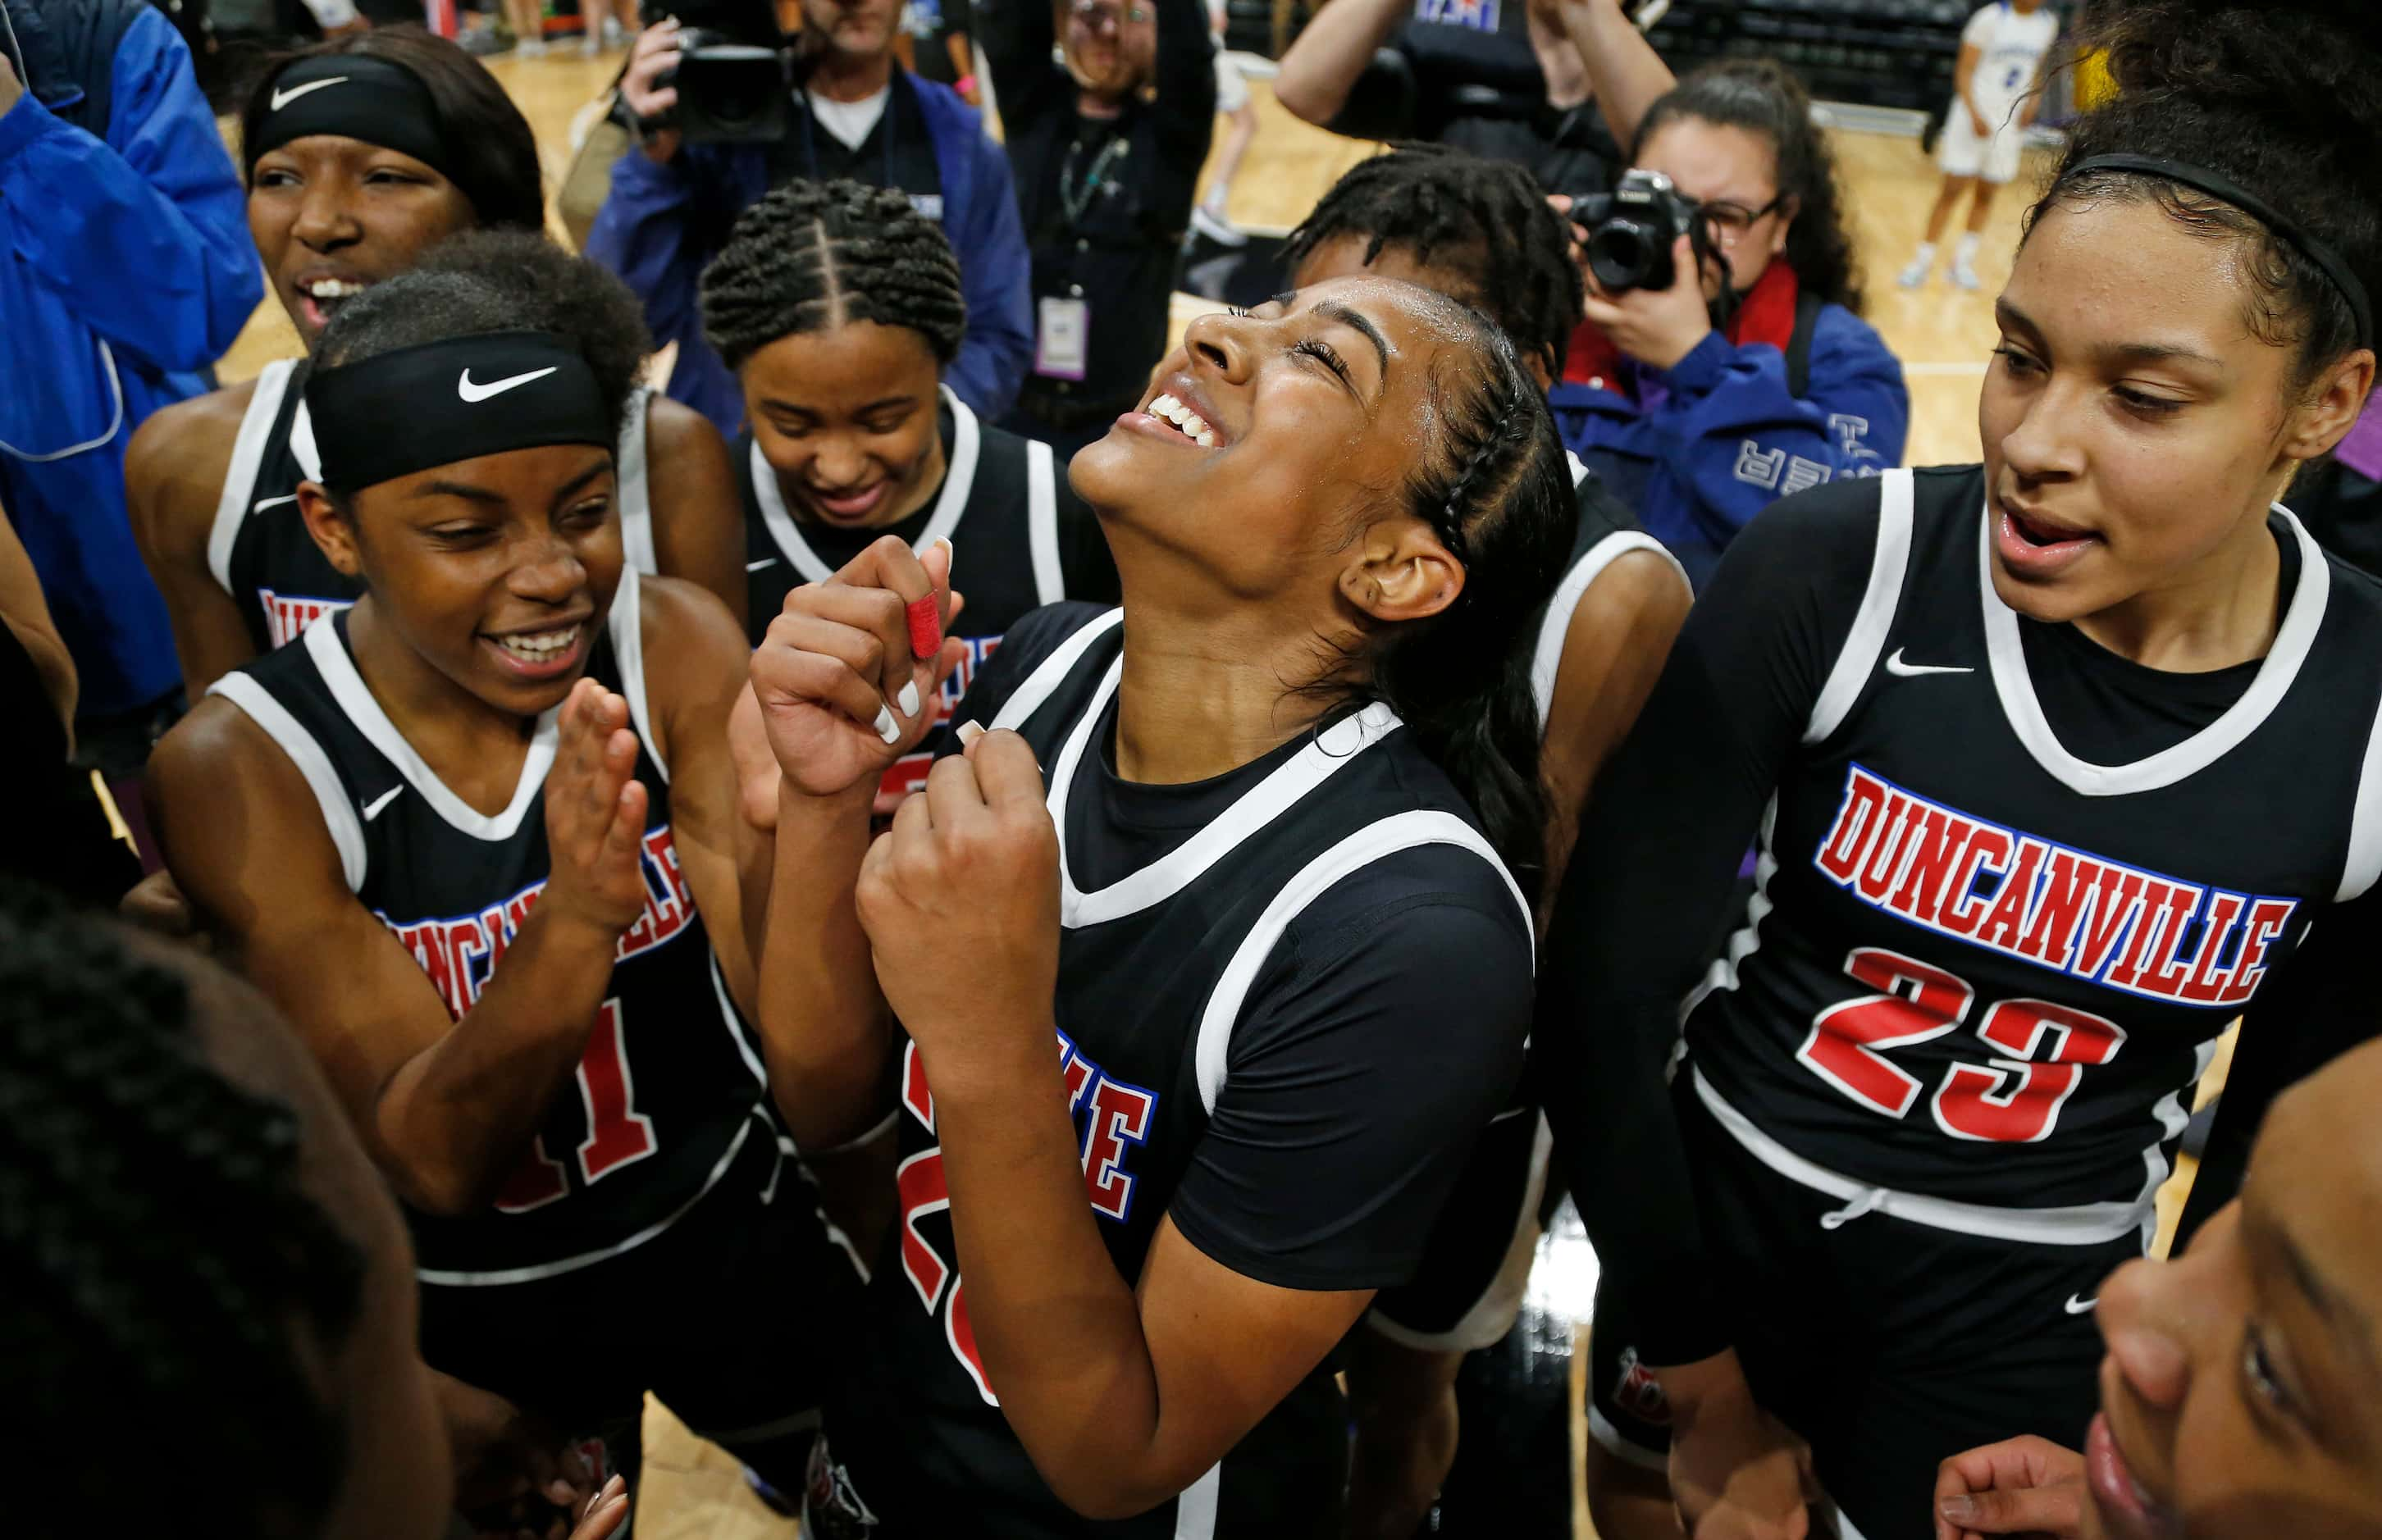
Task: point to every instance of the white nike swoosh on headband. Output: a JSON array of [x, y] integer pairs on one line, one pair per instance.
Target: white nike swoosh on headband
[[470, 392], [283, 98]]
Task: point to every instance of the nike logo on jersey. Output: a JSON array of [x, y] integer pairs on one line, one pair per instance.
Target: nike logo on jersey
[[2067, 910], [1912, 670], [283, 98], [264, 503], [372, 809], [2079, 1305], [757, 565], [477, 393]]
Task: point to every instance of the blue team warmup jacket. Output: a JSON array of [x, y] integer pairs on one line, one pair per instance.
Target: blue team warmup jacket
[[124, 272]]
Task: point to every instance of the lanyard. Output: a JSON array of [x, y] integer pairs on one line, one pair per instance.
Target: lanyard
[[1076, 198]]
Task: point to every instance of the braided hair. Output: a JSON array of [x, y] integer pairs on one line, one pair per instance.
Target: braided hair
[[1496, 491], [815, 255], [1762, 97], [162, 1274], [1486, 219], [2285, 101]]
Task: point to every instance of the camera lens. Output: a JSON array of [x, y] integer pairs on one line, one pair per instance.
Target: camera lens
[[1625, 254]]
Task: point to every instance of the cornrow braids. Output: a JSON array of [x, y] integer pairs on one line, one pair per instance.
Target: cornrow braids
[[1497, 493], [1487, 220], [163, 1278], [813, 255]]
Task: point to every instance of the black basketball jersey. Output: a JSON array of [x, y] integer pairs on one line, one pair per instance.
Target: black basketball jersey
[[669, 1087], [1980, 974], [259, 550], [1030, 542], [1604, 531], [1159, 971]]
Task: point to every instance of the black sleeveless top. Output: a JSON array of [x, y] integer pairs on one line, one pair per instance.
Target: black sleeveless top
[[670, 1086]]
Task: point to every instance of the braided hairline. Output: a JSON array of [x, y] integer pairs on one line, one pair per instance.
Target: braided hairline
[[157, 1254], [815, 255]]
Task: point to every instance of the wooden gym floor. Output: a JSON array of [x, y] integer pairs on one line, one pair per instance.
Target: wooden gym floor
[[692, 1491]]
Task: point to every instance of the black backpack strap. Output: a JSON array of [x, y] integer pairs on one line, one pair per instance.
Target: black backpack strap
[[1798, 344]]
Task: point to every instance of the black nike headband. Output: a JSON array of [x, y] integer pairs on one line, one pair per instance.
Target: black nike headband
[[2226, 191], [355, 96], [438, 403]]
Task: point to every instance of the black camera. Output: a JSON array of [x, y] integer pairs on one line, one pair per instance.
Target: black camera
[[1630, 231], [734, 75]]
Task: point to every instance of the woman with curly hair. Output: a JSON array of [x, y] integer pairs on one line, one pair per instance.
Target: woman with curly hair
[[1703, 403]]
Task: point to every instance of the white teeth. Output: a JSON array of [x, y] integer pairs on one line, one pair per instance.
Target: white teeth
[[542, 646], [332, 288], [1192, 426]]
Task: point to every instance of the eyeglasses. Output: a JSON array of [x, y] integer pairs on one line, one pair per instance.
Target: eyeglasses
[[1101, 17], [1729, 222]]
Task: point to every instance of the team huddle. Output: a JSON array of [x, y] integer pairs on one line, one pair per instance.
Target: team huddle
[[1008, 990]]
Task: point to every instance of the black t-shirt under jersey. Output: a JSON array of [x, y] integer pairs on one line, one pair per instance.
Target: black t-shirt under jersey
[[2154, 856]]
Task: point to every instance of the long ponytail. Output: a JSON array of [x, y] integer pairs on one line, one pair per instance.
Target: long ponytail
[[1498, 497]]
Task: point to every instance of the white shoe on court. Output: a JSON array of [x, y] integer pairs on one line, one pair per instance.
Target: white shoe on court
[[1966, 276], [1914, 275]]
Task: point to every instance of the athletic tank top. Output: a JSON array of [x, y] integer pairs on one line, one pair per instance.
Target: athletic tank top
[[1005, 490], [259, 550], [1979, 976], [1604, 531], [1155, 972], [669, 1086]]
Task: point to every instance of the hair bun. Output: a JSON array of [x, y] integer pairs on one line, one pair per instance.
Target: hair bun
[[2309, 67]]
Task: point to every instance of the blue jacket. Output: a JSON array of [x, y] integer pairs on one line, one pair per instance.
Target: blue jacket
[[124, 272], [663, 224], [1724, 437]]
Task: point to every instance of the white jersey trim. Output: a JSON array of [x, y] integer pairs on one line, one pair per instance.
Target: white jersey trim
[[1387, 836], [1324, 756], [354, 697], [347, 830], [232, 507], [1492, 1315], [633, 486], [302, 442], [2007, 654], [1879, 601], [1620, 1446], [1052, 671], [535, 1271], [1042, 522], [2075, 1225], [1555, 629], [627, 624], [959, 481], [1194, 1510], [2364, 867]]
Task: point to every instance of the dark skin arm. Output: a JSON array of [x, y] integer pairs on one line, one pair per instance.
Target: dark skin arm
[[446, 1106], [698, 517], [27, 613], [1122, 1395], [1613, 653], [174, 472]]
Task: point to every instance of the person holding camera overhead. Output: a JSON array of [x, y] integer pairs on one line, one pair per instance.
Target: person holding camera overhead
[[714, 143], [1702, 402], [1107, 143]]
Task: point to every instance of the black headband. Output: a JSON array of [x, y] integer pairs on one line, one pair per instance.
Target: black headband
[[355, 96], [2218, 188], [437, 403]]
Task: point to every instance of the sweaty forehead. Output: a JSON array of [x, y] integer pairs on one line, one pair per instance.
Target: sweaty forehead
[[1412, 317], [2122, 270]]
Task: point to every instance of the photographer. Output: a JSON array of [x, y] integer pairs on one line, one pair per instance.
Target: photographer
[[1107, 146], [1701, 403], [854, 113], [1499, 80]]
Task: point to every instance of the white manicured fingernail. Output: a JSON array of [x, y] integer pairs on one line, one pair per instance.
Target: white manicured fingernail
[[910, 699], [969, 732], [887, 728]]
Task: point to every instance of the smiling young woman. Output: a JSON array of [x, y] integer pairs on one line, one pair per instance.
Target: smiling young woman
[[363, 155], [838, 306], [1194, 1034], [476, 835], [2014, 737]]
